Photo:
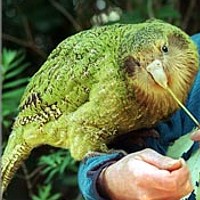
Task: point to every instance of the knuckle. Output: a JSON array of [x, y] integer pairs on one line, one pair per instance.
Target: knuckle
[[148, 150]]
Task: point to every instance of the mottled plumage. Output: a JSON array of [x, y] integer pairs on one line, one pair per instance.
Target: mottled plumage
[[95, 86]]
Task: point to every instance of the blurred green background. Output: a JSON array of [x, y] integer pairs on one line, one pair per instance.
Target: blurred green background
[[31, 29]]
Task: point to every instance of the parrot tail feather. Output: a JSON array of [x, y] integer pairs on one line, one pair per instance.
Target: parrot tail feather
[[11, 161]]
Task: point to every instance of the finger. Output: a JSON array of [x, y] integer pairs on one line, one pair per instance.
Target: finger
[[196, 135], [161, 162], [175, 184], [183, 179]]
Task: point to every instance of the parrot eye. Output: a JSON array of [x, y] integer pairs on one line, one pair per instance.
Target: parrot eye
[[165, 49]]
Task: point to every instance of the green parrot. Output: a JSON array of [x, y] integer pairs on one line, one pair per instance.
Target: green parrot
[[99, 84]]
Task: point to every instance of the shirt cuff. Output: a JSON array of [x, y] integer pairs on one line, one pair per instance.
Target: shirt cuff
[[89, 172]]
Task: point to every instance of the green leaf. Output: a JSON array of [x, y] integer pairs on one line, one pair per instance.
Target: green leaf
[[7, 57], [51, 175], [13, 86], [17, 93], [35, 198], [16, 61], [55, 197], [57, 164], [46, 170], [44, 193], [8, 109], [16, 71], [64, 165], [16, 83]]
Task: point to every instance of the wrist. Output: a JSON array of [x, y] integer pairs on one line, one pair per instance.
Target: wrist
[[102, 184]]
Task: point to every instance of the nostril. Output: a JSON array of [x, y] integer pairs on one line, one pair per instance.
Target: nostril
[[157, 63]]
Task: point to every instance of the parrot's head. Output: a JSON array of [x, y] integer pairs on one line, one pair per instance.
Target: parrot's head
[[160, 55]]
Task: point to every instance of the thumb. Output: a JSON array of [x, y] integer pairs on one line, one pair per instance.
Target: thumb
[[196, 135], [162, 162]]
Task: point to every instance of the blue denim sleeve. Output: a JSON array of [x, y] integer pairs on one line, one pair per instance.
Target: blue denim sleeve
[[178, 125], [196, 39], [89, 171]]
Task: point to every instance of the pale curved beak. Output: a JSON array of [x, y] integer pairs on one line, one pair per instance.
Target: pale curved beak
[[156, 70]]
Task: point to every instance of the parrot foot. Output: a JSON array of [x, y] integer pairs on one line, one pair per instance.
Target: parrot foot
[[142, 134], [133, 138]]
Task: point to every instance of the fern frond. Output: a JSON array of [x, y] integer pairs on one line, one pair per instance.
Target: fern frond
[[13, 83]]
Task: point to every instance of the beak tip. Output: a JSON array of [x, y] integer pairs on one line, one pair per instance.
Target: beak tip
[[156, 70]]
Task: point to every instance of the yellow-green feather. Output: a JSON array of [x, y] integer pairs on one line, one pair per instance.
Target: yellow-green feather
[[82, 97]]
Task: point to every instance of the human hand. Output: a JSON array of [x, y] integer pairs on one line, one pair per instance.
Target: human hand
[[146, 175], [196, 135]]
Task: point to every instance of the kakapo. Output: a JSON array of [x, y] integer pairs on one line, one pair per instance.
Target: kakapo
[[101, 83]]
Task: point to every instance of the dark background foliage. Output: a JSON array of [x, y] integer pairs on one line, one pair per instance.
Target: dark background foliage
[[31, 29]]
